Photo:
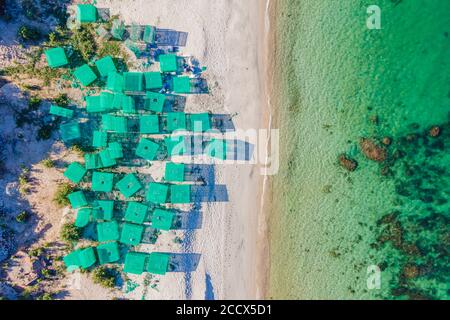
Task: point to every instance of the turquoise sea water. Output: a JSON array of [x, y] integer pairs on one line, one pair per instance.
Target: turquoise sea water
[[337, 82]]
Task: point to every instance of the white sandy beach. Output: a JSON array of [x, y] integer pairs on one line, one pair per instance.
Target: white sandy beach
[[225, 36]]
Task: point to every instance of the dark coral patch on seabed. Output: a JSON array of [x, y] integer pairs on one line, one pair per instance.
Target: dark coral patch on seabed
[[416, 237]]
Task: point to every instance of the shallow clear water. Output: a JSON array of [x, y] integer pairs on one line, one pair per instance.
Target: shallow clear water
[[338, 82]]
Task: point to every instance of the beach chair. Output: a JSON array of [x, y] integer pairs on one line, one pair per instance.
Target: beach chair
[[129, 185], [136, 213]]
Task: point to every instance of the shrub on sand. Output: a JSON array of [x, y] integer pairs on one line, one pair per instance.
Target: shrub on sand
[[70, 233], [60, 197], [48, 163], [28, 33], [22, 217], [106, 277]]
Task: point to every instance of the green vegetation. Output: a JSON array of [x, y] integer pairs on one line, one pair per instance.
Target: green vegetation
[[104, 276], [22, 217], [57, 38], [24, 182], [46, 273], [76, 148], [34, 103], [48, 163], [23, 185], [52, 39], [59, 267], [110, 48], [28, 292], [45, 132], [70, 233], [36, 252], [28, 33], [84, 44], [83, 41], [30, 87], [62, 100], [81, 149], [33, 69], [60, 197], [46, 296], [45, 73], [115, 50]]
